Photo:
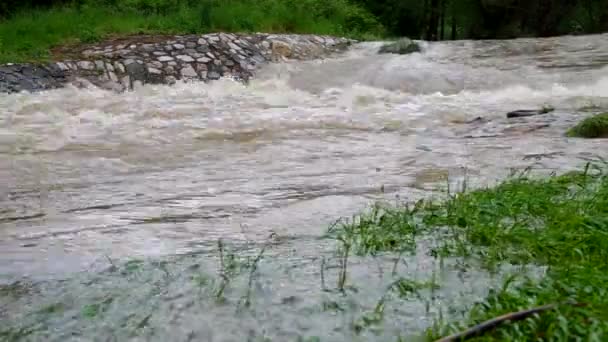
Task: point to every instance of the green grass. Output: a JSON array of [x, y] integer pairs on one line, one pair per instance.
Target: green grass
[[29, 35], [592, 127], [560, 223]]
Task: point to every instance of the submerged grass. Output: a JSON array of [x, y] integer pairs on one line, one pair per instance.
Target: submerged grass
[[560, 223], [29, 35]]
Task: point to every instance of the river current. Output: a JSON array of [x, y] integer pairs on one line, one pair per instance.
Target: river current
[[89, 177]]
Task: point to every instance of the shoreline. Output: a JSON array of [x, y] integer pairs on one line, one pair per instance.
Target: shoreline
[[121, 64]]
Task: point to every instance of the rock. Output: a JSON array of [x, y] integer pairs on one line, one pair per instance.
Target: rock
[[119, 67], [86, 65], [62, 66], [112, 76], [402, 46], [188, 72], [99, 65], [165, 58], [213, 75], [185, 58], [136, 71], [529, 112], [592, 127], [280, 49], [156, 64], [126, 82], [179, 46], [155, 71], [234, 46]]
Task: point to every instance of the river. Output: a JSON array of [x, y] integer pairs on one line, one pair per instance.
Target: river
[[90, 177]]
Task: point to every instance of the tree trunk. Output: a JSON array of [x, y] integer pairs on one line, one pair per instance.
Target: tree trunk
[[425, 20], [433, 27], [442, 34], [453, 20]]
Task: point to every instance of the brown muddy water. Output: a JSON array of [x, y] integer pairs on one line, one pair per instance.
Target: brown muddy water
[[111, 205]]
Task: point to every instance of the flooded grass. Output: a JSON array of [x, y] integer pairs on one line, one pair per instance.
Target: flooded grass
[[528, 242], [559, 222]]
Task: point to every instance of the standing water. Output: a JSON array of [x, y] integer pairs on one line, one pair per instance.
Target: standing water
[[91, 180]]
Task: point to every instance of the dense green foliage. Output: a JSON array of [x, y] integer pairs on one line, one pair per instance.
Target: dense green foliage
[[28, 33], [592, 127], [559, 223]]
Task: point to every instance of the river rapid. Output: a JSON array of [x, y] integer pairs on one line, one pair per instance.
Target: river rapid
[[90, 179]]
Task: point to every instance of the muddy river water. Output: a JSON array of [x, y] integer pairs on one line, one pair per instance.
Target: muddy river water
[[91, 179]]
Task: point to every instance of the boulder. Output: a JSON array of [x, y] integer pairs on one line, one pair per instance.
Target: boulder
[[402, 46]]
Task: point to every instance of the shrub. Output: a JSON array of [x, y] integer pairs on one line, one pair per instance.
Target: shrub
[[592, 127]]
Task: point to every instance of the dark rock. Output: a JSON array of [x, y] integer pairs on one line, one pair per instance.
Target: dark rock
[[137, 71], [529, 112], [478, 119], [20, 77], [402, 46]]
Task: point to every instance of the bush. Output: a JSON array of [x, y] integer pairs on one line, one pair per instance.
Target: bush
[[592, 127]]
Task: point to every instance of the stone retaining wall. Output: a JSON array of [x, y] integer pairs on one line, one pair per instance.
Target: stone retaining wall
[[123, 64]]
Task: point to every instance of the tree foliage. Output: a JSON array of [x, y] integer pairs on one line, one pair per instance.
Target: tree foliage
[[426, 19], [450, 19]]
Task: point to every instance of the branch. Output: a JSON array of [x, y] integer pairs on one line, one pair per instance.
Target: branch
[[493, 323]]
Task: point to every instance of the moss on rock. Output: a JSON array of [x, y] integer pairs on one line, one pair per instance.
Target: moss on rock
[[592, 127]]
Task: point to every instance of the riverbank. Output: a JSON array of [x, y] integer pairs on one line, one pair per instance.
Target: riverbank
[[31, 35], [124, 63], [544, 237]]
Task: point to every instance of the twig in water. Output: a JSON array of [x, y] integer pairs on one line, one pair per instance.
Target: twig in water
[[254, 267], [396, 264], [343, 267], [112, 266], [323, 287], [493, 323], [223, 275]]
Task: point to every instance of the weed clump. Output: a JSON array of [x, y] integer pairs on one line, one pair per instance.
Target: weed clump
[[592, 127]]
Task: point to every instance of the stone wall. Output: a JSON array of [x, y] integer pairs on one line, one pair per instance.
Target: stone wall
[[125, 63]]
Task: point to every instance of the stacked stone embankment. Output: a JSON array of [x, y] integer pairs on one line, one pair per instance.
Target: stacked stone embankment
[[123, 64]]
